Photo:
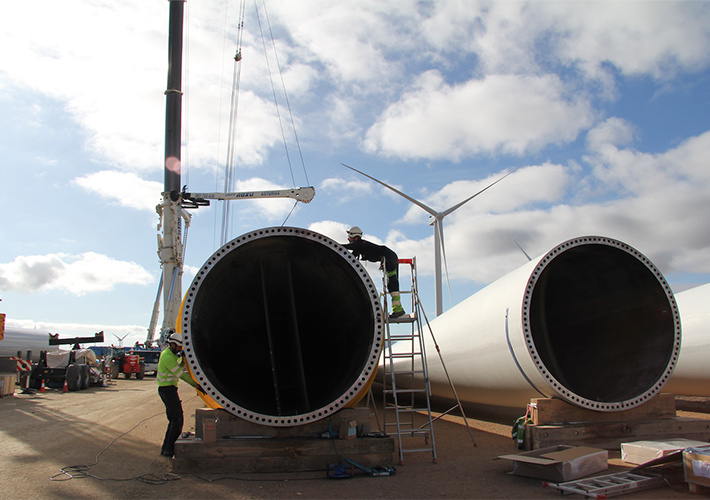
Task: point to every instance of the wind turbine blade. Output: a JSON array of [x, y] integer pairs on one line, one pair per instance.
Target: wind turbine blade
[[443, 256], [521, 249], [416, 202], [447, 212]]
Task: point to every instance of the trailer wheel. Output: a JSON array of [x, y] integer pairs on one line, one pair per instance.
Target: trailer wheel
[[85, 377], [74, 378]]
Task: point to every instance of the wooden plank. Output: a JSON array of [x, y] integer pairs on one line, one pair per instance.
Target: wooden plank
[[279, 455], [230, 425], [610, 435], [550, 410], [193, 448], [272, 464], [692, 404]]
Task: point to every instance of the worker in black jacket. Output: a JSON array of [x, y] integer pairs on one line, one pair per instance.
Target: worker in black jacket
[[366, 250]]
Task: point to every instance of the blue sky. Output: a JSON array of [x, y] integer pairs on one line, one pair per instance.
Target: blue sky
[[604, 107]]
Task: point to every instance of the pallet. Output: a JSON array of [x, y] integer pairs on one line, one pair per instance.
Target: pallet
[[698, 489], [7, 384], [557, 422]]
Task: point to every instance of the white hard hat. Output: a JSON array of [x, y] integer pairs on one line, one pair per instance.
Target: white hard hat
[[355, 231], [175, 337]]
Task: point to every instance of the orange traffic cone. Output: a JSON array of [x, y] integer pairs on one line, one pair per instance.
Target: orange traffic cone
[[65, 387], [41, 389]]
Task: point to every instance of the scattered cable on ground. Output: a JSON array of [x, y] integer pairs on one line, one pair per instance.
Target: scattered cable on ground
[[82, 471]]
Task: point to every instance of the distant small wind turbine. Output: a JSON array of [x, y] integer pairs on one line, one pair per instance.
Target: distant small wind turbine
[[120, 339], [436, 220]]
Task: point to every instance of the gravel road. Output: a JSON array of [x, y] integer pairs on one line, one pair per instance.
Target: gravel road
[[115, 433]]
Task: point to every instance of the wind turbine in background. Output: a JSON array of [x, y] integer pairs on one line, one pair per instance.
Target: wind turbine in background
[[436, 220], [120, 339]]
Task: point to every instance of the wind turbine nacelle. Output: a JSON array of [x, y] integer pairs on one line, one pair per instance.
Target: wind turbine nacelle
[[282, 326], [592, 322]]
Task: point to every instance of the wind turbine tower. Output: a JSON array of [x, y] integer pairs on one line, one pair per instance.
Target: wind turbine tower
[[436, 220]]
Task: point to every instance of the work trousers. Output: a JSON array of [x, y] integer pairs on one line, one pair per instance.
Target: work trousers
[[173, 410], [392, 280]]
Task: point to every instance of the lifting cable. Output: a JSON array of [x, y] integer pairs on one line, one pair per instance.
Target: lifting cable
[[283, 86], [232, 134]]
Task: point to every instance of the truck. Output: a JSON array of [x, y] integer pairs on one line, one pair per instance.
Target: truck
[[118, 361], [150, 358], [77, 368]]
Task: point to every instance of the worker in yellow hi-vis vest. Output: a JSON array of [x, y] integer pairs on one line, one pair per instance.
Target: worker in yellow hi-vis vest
[[171, 368]]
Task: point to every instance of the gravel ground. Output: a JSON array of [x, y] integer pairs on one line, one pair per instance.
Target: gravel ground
[[113, 436]]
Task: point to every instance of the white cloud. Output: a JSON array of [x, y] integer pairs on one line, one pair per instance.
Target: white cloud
[[351, 40], [77, 274], [637, 37], [684, 167], [612, 132], [509, 114], [655, 38], [528, 186], [89, 71], [346, 190], [336, 231], [127, 189]]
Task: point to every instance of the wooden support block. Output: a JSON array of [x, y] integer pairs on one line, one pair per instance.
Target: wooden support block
[[278, 455], [550, 411], [230, 425], [610, 435], [697, 489]]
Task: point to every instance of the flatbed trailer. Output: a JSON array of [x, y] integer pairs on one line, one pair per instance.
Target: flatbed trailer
[[77, 368]]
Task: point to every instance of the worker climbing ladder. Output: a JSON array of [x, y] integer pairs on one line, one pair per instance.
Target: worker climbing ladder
[[406, 387]]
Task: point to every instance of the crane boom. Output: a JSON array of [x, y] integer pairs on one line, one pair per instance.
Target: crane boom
[[303, 194]]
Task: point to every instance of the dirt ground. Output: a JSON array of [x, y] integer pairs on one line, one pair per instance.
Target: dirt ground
[[112, 437]]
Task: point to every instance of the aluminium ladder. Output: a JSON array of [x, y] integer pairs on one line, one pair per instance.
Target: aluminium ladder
[[406, 386], [601, 487]]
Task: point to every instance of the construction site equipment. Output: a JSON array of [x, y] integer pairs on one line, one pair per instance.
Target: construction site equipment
[[269, 314], [406, 387], [376, 471], [610, 485], [119, 361], [340, 471], [77, 368]]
